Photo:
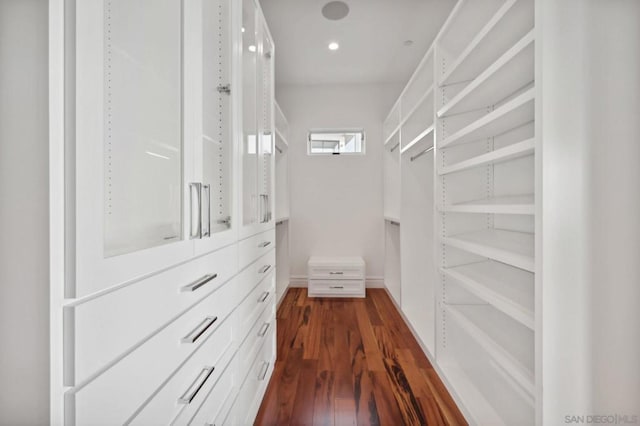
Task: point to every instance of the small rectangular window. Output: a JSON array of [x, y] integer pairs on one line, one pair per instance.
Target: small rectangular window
[[335, 142]]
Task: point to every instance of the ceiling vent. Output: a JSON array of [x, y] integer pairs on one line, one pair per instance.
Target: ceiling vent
[[335, 10]]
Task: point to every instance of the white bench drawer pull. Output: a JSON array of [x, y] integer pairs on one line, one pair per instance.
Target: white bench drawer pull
[[264, 269], [264, 244]]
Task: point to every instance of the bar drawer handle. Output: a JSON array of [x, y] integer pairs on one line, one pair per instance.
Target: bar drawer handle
[[199, 283], [263, 371], [336, 273], [195, 387], [264, 244], [263, 329], [263, 297], [336, 286], [199, 330], [264, 269]]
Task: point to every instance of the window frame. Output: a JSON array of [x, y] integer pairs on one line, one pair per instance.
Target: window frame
[[361, 131]]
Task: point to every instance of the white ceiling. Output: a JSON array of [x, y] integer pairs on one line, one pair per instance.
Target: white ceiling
[[371, 39]]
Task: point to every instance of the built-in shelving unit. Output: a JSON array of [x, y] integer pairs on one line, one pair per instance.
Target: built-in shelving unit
[[282, 202], [486, 205], [409, 202]]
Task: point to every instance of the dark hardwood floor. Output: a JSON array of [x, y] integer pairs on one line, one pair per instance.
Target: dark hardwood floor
[[351, 361]]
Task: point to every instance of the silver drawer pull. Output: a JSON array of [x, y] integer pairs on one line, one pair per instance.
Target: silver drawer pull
[[264, 269], [263, 329], [199, 283], [199, 330], [263, 297], [195, 387], [264, 244], [263, 371], [336, 286], [336, 273]]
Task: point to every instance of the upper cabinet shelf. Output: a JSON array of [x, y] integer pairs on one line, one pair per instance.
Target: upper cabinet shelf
[[512, 114], [509, 23], [510, 73]]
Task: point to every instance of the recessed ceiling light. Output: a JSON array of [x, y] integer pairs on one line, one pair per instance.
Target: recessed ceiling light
[[334, 46], [408, 43], [335, 10], [242, 29], [251, 48]]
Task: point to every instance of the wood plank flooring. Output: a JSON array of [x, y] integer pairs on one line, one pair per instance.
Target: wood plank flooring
[[351, 361]]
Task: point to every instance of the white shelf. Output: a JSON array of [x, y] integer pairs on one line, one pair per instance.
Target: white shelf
[[506, 341], [404, 118], [512, 16], [283, 141], [514, 113], [511, 152], [470, 397], [517, 204], [393, 220], [511, 72], [508, 289], [513, 248], [426, 132], [283, 219]]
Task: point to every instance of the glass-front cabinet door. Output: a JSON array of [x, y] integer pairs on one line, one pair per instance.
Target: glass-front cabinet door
[[257, 122], [266, 162], [123, 132], [249, 147], [213, 180]]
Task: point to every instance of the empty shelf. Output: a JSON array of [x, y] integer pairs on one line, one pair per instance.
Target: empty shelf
[[506, 341], [508, 289], [280, 138], [471, 397], [510, 73], [513, 248], [520, 204], [501, 31], [426, 132], [511, 152], [514, 113]]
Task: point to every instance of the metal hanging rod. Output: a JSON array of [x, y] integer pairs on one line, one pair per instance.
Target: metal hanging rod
[[421, 153], [394, 147], [393, 222], [279, 150]]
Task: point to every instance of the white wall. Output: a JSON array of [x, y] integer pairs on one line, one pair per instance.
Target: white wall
[[336, 201], [590, 64], [24, 258]]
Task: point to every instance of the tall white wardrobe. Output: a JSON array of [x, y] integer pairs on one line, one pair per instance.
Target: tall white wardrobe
[[162, 197], [497, 156]]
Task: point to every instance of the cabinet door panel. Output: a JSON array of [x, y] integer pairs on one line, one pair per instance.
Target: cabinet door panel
[[266, 162], [128, 144], [250, 152]]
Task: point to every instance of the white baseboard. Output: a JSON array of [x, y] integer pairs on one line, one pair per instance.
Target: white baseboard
[[301, 281]]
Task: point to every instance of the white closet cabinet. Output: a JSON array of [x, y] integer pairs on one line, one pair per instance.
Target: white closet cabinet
[[159, 308], [282, 202]]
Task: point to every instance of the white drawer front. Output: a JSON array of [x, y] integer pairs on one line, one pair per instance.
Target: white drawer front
[[253, 247], [114, 396], [180, 398], [247, 404], [337, 288], [261, 328], [255, 303], [337, 272], [98, 331], [217, 405]]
